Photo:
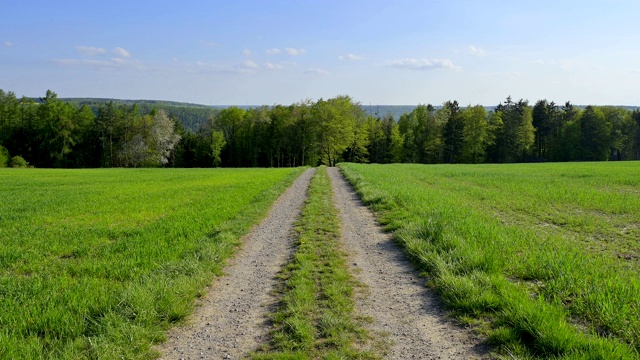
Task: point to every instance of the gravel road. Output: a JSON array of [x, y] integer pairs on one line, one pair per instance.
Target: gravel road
[[398, 301], [230, 320]]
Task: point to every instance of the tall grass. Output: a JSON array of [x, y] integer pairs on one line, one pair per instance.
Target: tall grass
[[99, 263], [546, 252], [316, 318]]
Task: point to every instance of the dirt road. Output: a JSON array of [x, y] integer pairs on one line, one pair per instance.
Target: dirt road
[[231, 320], [398, 301]]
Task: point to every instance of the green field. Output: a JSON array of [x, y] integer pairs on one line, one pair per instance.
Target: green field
[[543, 258], [99, 263]]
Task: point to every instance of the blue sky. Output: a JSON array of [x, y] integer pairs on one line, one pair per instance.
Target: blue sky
[[279, 52]]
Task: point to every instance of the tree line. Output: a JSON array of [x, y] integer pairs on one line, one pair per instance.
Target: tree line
[[55, 133]]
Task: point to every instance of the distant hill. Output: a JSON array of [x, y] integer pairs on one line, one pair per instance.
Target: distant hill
[[192, 116], [90, 101]]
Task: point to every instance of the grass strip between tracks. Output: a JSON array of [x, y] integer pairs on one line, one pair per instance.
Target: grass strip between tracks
[[316, 318]]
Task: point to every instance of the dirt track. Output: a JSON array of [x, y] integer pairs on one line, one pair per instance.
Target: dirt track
[[231, 320], [399, 303]]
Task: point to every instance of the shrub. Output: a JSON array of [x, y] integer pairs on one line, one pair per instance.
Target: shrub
[[19, 162]]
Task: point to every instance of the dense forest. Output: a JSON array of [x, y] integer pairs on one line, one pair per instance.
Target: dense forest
[[50, 132]]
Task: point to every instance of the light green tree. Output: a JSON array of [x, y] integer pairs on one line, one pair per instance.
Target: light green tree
[[217, 143], [475, 135], [4, 157], [336, 119]]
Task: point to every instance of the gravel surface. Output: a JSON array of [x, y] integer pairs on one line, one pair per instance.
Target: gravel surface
[[397, 300], [231, 319]]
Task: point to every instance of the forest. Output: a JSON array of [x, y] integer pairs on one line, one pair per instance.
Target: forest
[[53, 133]]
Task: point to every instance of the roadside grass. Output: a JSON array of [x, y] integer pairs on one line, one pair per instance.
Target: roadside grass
[[316, 319], [99, 263], [540, 257]]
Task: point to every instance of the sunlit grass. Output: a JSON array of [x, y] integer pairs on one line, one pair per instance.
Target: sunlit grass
[[547, 252], [98, 263]]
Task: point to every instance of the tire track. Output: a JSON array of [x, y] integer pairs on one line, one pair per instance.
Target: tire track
[[231, 318], [398, 301]]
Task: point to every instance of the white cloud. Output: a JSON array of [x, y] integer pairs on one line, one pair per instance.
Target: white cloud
[[106, 63], [295, 52], [273, 51], [272, 66], [421, 64], [317, 71], [476, 51], [121, 52], [250, 64], [91, 50], [8, 44], [352, 57], [246, 52]]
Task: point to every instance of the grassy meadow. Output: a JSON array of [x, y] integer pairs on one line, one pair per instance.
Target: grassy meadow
[[99, 263], [543, 258]]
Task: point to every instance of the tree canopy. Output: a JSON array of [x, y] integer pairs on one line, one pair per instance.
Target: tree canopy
[[55, 133]]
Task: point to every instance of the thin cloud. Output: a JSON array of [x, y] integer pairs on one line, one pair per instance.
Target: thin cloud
[[473, 50], [244, 67], [351, 57], [273, 51], [91, 50], [111, 63], [272, 66], [121, 52], [317, 71], [246, 52], [295, 52], [209, 43], [250, 64], [421, 64], [8, 44]]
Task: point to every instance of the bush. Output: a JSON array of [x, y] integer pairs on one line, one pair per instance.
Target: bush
[[4, 157], [19, 162]]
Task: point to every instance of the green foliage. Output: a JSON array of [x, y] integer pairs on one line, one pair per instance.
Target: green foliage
[[475, 134], [554, 277], [595, 133], [4, 157], [217, 143], [99, 263], [18, 162], [120, 133], [316, 318], [337, 121]]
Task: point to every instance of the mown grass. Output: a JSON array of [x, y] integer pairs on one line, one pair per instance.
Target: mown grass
[[99, 263], [316, 317], [542, 257]]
